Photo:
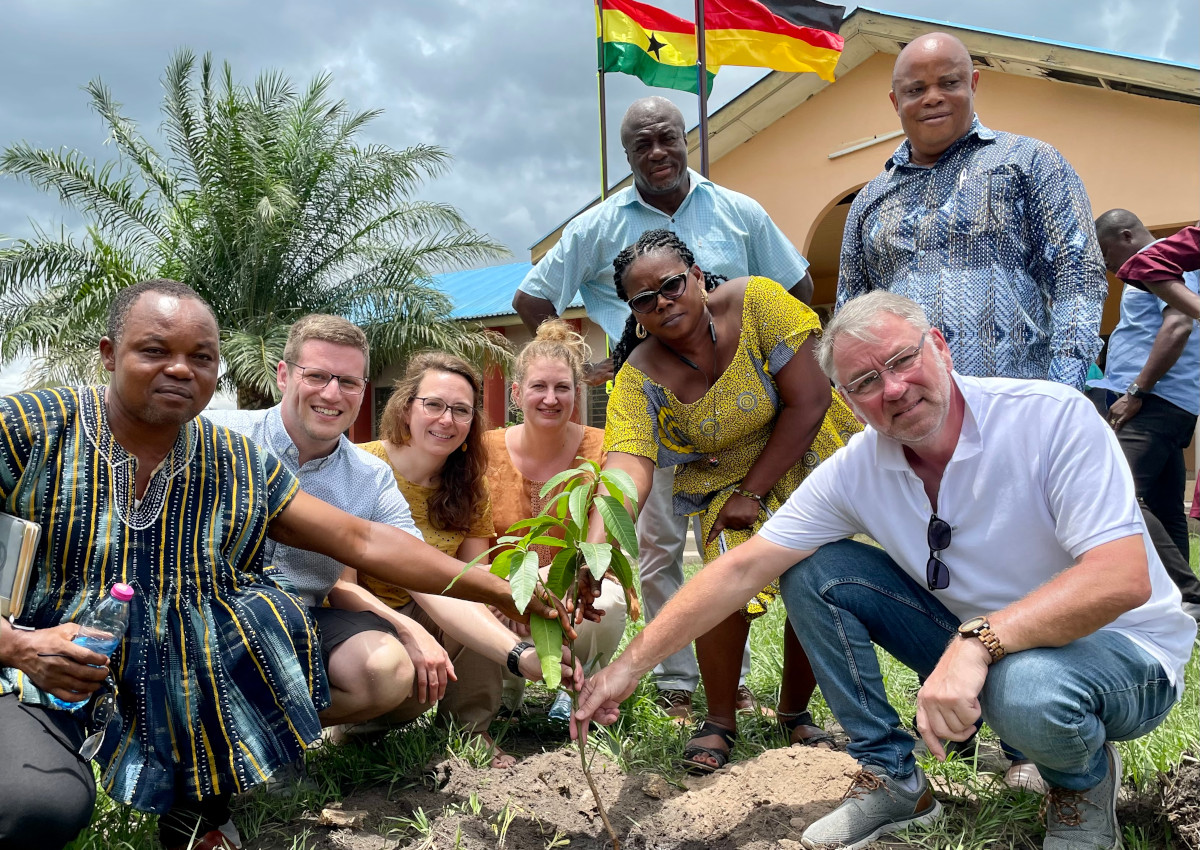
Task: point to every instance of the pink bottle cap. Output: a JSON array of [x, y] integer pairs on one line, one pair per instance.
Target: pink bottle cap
[[123, 592]]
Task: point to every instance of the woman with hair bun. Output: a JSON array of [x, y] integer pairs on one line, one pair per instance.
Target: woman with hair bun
[[547, 383]]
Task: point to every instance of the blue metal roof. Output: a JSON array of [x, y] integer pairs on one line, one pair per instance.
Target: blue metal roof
[[486, 292]]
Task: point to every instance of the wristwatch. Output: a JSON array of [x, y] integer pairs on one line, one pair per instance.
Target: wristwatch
[[1134, 391], [979, 627], [514, 658]]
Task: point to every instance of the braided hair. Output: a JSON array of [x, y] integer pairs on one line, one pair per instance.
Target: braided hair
[[649, 242]]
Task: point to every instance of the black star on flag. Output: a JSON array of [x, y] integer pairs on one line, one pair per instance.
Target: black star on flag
[[655, 46]]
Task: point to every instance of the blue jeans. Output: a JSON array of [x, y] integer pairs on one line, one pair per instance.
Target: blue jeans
[[1057, 705]]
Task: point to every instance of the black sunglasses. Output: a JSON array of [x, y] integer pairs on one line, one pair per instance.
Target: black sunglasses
[[672, 288], [104, 706], [937, 574]]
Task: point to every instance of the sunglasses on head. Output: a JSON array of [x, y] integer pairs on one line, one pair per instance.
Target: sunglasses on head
[[671, 288]]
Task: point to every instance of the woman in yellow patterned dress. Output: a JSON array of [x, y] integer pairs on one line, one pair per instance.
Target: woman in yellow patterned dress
[[724, 387]]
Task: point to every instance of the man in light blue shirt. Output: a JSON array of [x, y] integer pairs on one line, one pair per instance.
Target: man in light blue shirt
[[729, 233], [1153, 380]]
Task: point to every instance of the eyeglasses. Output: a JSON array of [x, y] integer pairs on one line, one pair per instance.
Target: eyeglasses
[[435, 407], [319, 379], [104, 706], [672, 288], [937, 574], [871, 384]]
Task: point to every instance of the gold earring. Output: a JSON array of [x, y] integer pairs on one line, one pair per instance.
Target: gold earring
[[464, 447], [704, 296], [639, 331]]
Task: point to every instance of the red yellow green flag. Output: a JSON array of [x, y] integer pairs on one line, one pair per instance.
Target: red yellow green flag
[[652, 45], [784, 35]]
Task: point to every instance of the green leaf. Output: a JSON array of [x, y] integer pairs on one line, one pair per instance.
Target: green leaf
[[503, 563], [579, 506], [540, 522], [562, 572], [544, 540], [548, 638], [621, 569], [598, 557], [618, 523], [565, 475], [619, 480], [509, 539], [523, 579]]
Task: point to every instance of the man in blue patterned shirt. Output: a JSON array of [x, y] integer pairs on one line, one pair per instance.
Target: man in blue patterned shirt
[[990, 232], [730, 234]]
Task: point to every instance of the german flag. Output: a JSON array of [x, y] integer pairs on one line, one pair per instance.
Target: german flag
[[657, 48], [784, 35]]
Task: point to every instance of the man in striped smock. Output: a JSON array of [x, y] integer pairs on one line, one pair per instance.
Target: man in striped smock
[[218, 681]]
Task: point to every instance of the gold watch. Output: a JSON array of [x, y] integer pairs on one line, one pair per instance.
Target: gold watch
[[979, 627]]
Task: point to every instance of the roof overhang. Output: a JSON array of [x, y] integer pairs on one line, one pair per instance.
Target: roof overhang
[[867, 32]]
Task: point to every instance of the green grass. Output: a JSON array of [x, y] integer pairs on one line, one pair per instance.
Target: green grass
[[979, 813]]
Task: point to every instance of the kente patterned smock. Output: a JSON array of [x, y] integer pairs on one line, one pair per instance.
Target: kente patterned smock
[[219, 674], [731, 422]]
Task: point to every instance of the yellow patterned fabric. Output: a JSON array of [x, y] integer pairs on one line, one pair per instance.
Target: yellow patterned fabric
[[731, 422], [445, 541]]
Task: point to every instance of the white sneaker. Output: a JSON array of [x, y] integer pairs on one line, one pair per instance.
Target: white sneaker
[[1023, 775], [230, 831]]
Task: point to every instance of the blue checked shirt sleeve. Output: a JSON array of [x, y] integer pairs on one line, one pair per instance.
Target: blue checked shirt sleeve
[[559, 275], [772, 255], [1069, 267]]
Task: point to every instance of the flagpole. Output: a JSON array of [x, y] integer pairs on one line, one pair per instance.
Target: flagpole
[[702, 71], [608, 387], [600, 92]]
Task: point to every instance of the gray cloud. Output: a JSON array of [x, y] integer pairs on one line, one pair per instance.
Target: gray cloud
[[508, 87]]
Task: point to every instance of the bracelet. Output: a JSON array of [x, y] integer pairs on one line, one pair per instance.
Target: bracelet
[[514, 657], [747, 494]]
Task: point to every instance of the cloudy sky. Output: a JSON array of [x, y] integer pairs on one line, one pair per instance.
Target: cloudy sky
[[507, 87]]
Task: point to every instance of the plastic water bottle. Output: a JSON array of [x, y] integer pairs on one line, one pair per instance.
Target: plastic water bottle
[[101, 629]]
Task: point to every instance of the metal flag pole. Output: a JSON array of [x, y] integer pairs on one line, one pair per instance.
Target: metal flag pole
[[702, 71], [600, 92]]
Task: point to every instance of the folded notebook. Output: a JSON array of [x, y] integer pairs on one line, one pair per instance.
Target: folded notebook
[[18, 542]]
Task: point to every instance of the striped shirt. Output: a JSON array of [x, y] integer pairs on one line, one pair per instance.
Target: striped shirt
[[728, 233], [219, 674], [996, 242]]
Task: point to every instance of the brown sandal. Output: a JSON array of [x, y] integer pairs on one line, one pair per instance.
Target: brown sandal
[[810, 734]]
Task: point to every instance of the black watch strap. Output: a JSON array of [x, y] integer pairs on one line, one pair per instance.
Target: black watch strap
[[514, 657]]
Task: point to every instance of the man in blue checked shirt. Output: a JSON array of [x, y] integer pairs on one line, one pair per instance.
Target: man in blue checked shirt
[[990, 232], [730, 234]]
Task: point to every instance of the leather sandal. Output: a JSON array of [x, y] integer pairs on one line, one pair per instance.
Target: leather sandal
[[721, 757], [811, 735]]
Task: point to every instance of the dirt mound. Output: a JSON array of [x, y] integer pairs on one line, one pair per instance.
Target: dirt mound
[[1181, 802], [763, 803]]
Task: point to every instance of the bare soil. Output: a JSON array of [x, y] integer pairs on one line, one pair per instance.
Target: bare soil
[[760, 804]]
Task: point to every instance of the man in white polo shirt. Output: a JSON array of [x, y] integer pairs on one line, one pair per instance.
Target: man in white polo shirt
[[1016, 576]]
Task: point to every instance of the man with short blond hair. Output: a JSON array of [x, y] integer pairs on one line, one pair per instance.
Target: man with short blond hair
[[1035, 601]]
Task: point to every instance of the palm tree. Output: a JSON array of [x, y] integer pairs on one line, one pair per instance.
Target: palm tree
[[267, 204]]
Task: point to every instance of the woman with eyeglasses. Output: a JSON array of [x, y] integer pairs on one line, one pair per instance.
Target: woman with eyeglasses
[[721, 382], [432, 435], [546, 387]]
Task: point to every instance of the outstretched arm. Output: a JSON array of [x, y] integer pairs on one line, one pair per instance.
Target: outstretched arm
[[709, 597], [391, 555]]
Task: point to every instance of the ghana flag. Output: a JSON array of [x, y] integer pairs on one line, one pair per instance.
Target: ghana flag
[[784, 35], [657, 48]]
